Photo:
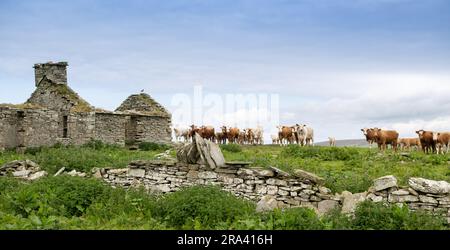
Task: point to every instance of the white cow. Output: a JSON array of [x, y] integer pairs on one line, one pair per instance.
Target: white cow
[[181, 134], [259, 135], [305, 135], [332, 141], [275, 139]]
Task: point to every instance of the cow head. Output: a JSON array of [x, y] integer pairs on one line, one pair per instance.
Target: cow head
[[224, 129], [375, 132], [436, 136], [365, 130], [420, 133]]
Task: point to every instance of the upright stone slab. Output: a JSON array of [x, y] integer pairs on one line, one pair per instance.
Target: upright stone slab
[[201, 151]]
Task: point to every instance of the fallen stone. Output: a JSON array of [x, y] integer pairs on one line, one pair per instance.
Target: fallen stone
[[351, 201], [429, 186], [22, 173], [324, 207], [98, 174], [385, 182], [59, 171], [267, 203], [301, 174], [37, 175], [164, 188], [73, 173]]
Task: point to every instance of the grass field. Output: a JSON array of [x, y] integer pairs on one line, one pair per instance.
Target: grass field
[[65, 202], [346, 168]]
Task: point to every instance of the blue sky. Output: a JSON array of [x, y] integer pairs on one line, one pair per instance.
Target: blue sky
[[338, 65]]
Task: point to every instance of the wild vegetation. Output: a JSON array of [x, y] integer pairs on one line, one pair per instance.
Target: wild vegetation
[[66, 202]]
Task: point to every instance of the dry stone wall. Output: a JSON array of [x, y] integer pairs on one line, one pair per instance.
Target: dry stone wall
[[110, 128], [152, 129], [273, 188], [27, 127]]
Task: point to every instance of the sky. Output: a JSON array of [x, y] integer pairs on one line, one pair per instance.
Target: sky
[[335, 65]]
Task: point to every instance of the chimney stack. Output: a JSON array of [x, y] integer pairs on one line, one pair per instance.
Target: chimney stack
[[56, 72]]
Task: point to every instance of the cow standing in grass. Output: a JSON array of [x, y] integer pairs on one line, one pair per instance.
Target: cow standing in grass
[[305, 134], [332, 141], [408, 143], [286, 135], [275, 139], [233, 134], [370, 135], [442, 140], [386, 137], [426, 140], [258, 135]]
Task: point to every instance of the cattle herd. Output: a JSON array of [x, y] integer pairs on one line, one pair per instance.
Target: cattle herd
[[428, 141], [251, 136], [303, 135]]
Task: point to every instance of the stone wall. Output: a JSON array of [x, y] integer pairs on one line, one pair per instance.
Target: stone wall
[[110, 128], [55, 71], [27, 127], [272, 187], [152, 129], [8, 128], [80, 127]]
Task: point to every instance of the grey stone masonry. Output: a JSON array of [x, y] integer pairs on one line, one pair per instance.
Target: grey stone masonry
[[267, 187], [54, 71], [57, 114]]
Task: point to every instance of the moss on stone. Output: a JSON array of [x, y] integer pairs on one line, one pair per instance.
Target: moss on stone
[[21, 106], [142, 104]]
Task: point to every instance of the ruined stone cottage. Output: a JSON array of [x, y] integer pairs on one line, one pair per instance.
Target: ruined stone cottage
[[55, 113]]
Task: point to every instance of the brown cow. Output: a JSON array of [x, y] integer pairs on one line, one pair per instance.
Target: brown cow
[[442, 140], [407, 143], [370, 135], [385, 137], [249, 136], [241, 137], [207, 132], [426, 140], [194, 129], [221, 138], [233, 134], [286, 134]]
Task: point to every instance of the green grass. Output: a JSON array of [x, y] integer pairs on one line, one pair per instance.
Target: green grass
[[351, 169], [81, 158], [79, 203]]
